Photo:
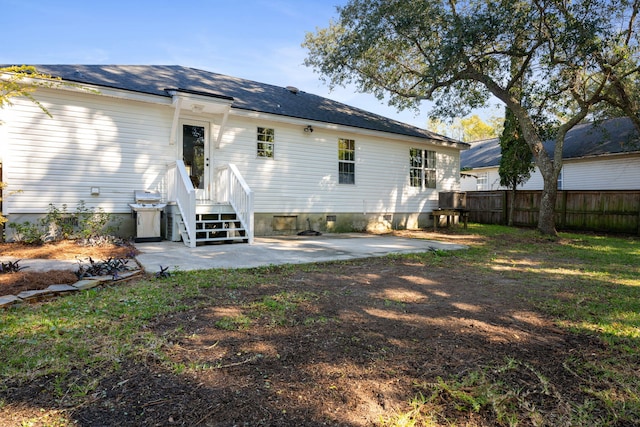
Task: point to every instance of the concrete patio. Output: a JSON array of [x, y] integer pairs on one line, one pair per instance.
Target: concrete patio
[[280, 250]]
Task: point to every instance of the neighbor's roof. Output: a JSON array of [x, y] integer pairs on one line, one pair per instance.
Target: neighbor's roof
[[613, 136], [246, 94]]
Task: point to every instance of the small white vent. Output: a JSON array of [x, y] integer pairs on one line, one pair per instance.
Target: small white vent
[[294, 90]]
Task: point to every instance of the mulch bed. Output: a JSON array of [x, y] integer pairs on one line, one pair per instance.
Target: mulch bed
[[27, 280]]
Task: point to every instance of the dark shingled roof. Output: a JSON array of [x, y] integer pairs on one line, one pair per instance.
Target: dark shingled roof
[[246, 94], [613, 136]]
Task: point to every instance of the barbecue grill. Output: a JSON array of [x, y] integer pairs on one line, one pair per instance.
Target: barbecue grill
[[147, 210]]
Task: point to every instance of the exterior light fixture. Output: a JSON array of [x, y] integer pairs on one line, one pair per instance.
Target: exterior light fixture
[[308, 129]]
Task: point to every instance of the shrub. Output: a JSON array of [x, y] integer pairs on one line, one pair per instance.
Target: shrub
[[26, 232], [59, 224]]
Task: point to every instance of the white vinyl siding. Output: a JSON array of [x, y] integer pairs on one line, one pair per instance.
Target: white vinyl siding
[[602, 173], [91, 141], [123, 145], [615, 172], [304, 178]]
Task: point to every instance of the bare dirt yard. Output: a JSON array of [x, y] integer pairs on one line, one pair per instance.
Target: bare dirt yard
[[340, 344]]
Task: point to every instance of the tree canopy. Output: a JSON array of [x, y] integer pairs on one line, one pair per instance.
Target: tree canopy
[[571, 58], [467, 129], [476, 129]]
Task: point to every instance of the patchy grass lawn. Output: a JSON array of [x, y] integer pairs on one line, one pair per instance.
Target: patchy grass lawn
[[516, 330]]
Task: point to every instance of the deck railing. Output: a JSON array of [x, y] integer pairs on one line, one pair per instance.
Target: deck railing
[[231, 188], [181, 191]]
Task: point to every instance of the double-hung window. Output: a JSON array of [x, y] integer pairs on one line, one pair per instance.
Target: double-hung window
[[483, 181], [422, 168], [266, 143], [346, 161]]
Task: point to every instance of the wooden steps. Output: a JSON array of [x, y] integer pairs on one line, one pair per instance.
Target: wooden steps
[[215, 223]]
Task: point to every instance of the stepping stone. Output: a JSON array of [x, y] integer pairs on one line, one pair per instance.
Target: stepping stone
[[7, 300], [85, 284], [128, 274], [101, 279], [33, 295], [60, 289]]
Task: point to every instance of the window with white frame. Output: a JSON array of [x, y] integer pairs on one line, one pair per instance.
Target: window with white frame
[[266, 143], [346, 161], [422, 168], [482, 183]]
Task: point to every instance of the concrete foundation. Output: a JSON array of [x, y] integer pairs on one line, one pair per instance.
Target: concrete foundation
[[275, 224]]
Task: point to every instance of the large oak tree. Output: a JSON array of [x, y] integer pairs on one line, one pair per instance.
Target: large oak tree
[[574, 57]]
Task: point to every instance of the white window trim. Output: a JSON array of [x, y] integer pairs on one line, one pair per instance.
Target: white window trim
[[352, 162], [424, 170], [271, 143]]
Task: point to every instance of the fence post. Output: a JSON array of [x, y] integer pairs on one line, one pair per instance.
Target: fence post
[[563, 217], [638, 214], [505, 208]]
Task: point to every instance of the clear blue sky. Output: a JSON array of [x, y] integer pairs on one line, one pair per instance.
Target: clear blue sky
[[253, 39]]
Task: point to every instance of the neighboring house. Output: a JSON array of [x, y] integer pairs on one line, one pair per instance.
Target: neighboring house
[[231, 157], [596, 156]]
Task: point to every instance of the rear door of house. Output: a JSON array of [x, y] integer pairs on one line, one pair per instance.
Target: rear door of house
[[196, 156]]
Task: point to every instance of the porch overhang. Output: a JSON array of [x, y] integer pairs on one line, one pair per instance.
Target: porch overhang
[[197, 102], [201, 102]]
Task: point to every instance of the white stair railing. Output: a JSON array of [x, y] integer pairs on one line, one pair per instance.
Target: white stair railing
[[232, 188], [181, 191]]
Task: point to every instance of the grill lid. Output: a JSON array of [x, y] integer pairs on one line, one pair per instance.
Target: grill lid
[[146, 197]]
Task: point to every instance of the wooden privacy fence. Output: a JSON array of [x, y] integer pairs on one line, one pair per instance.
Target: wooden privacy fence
[[608, 211]]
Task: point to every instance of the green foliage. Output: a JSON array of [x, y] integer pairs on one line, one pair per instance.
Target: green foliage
[[59, 224], [93, 223], [476, 129], [516, 161], [467, 129], [26, 232]]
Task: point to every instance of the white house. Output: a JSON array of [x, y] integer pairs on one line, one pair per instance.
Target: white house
[[230, 157], [596, 156]]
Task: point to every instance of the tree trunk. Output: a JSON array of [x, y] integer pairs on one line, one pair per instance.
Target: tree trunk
[[547, 217], [512, 203], [549, 168]]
